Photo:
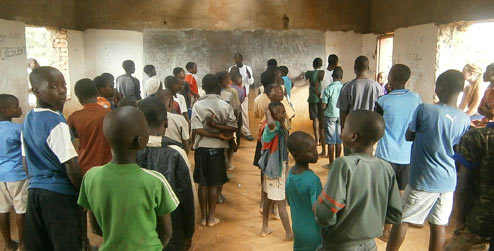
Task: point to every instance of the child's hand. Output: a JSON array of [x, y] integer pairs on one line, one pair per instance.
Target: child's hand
[[210, 120], [225, 136], [267, 112]]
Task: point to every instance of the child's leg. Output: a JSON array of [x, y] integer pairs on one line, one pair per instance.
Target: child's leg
[[315, 127], [322, 138], [386, 232], [397, 236], [263, 194], [331, 153], [212, 198], [203, 203], [285, 220], [437, 238], [5, 226], [337, 151], [265, 231], [20, 229]]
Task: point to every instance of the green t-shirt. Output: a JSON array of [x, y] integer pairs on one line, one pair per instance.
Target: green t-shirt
[[126, 200], [312, 77]]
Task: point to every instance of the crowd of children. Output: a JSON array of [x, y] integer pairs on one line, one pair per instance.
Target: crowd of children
[[121, 162]]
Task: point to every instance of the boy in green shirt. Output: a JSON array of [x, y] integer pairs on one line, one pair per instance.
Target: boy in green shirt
[[129, 206], [361, 192], [315, 112]]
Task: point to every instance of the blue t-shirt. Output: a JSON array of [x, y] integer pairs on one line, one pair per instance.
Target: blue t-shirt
[[288, 85], [47, 146], [11, 168], [330, 98], [437, 129], [398, 108]]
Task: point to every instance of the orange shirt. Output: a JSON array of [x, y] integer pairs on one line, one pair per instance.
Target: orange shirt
[[87, 125], [103, 102], [193, 83]]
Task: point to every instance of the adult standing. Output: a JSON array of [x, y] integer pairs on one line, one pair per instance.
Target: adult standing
[[247, 80]]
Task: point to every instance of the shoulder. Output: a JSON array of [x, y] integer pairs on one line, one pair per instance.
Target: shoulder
[[154, 177], [92, 172]]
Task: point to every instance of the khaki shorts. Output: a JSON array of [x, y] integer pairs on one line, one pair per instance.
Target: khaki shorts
[[465, 240], [275, 188], [420, 205], [13, 194]]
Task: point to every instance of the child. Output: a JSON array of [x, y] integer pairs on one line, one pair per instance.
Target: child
[[302, 189], [237, 84], [211, 113], [332, 127], [434, 130], [178, 128], [328, 72], [381, 80], [397, 108], [150, 70], [273, 163], [105, 91], [361, 193], [247, 76], [127, 85], [486, 106], [174, 85], [13, 178], [287, 82], [191, 79], [87, 126], [179, 73], [164, 155], [53, 218], [315, 77]]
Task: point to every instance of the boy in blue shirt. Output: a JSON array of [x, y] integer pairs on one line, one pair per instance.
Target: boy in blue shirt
[[332, 127], [302, 189], [13, 178], [287, 82], [53, 218], [434, 130]]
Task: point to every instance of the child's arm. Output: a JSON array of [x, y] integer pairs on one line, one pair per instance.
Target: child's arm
[[225, 128], [414, 124], [74, 172], [186, 145], [343, 115], [332, 198], [462, 194], [96, 229], [206, 133], [269, 119], [165, 229], [320, 77], [484, 108], [394, 208]]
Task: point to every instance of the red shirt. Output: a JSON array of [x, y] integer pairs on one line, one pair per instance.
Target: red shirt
[[87, 125], [193, 83]]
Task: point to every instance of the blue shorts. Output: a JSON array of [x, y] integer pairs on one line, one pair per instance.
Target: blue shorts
[[332, 130]]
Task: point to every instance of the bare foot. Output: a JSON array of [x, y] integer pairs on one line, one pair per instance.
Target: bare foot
[[203, 222], [289, 237], [275, 215], [266, 231], [213, 222]]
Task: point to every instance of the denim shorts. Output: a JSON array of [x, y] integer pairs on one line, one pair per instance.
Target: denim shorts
[[332, 130]]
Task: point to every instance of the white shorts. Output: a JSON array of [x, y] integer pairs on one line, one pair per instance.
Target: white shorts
[[275, 188], [421, 205], [13, 194]]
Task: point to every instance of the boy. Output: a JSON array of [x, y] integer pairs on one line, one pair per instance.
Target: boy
[[152, 84], [361, 193], [397, 109], [434, 130], [150, 70], [332, 127], [486, 106], [127, 85], [164, 155], [179, 73], [13, 178], [273, 163], [105, 91], [381, 80], [328, 72], [87, 126], [237, 84], [247, 77], [53, 218], [174, 85], [287, 82], [177, 127], [315, 77], [302, 189], [359, 94], [210, 113], [475, 191], [191, 79]]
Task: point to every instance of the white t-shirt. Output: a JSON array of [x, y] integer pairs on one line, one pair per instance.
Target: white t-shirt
[[178, 128], [180, 99], [327, 80]]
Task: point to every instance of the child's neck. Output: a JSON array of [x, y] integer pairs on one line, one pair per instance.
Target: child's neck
[[44, 105], [128, 73], [89, 101], [367, 150], [398, 87], [451, 100], [124, 156], [155, 132], [361, 75], [337, 80], [299, 168]]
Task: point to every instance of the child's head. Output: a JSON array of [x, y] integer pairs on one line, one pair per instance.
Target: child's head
[[9, 107], [472, 72], [127, 102], [126, 130], [223, 78], [381, 78], [86, 91], [48, 85], [317, 63], [398, 77], [173, 84], [104, 86], [302, 146], [238, 58], [166, 97], [267, 78], [278, 111], [362, 129], [150, 70], [155, 112], [337, 73], [361, 65], [284, 70], [129, 66], [489, 73], [449, 84], [191, 67], [272, 63], [179, 73], [109, 77], [274, 92], [210, 84], [332, 61], [236, 78]]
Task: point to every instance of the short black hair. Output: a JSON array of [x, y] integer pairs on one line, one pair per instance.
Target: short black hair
[[272, 63], [317, 63], [127, 63], [452, 80], [296, 141], [235, 76], [337, 73], [108, 76], [127, 102], [221, 76], [269, 88], [43, 74], [154, 110], [170, 81], [189, 65], [177, 71], [284, 70], [210, 84], [148, 69], [100, 82], [401, 73], [368, 125], [85, 89], [238, 55], [267, 78], [6, 100], [361, 64], [274, 104], [333, 59]]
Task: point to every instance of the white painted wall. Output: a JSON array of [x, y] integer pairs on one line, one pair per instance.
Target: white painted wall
[[106, 50], [347, 46], [416, 47], [369, 49], [13, 61], [77, 68]]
